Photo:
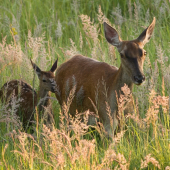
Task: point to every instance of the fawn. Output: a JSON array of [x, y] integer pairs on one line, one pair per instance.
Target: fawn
[[27, 98], [89, 74]]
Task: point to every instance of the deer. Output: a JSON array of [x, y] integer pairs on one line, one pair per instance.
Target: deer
[[46, 86], [28, 98], [88, 73], [24, 95]]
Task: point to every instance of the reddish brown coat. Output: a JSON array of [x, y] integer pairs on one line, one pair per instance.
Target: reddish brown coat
[[99, 81], [24, 93]]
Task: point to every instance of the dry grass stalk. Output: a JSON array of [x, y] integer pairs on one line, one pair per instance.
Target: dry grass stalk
[[153, 110], [73, 49], [112, 54], [136, 14], [80, 124], [110, 156], [119, 136], [167, 168], [156, 104], [36, 45], [110, 115], [66, 106], [81, 41], [101, 17], [3, 156], [91, 30], [117, 13], [163, 87], [5, 65], [130, 9], [10, 53], [152, 118], [25, 146], [136, 118], [148, 159], [123, 99], [8, 115]]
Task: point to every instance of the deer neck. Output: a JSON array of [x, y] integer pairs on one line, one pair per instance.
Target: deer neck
[[43, 99], [122, 78]]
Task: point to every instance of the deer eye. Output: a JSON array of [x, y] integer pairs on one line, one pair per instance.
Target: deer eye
[[121, 55], [44, 81]]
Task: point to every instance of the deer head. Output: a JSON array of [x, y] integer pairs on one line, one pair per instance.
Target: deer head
[[131, 52], [46, 78]]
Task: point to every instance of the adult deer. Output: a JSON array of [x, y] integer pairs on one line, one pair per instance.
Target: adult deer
[[26, 96], [88, 73]]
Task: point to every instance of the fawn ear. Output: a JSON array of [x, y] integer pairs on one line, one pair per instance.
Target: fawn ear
[[54, 67], [112, 36], [36, 68], [147, 33]]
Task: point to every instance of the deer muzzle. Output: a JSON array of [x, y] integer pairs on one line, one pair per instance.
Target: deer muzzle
[[139, 79]]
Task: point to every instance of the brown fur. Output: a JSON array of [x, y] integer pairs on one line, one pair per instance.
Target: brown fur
[[22, 91], [91, 75]]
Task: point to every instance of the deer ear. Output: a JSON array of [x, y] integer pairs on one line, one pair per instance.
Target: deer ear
[[147, 33], [112, 36], [54, 67], [36, 68]]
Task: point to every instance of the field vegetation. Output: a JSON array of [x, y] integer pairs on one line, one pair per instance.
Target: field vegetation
[[45, 30]]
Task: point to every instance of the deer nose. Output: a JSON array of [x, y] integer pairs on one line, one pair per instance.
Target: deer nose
[[139, 79], [53, 89]]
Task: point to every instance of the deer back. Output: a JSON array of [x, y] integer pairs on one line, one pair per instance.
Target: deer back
[[23, 94]]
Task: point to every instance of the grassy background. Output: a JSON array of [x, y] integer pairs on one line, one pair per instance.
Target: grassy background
[[45, 30]]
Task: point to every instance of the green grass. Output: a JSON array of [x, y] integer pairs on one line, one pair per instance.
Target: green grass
[[41, 18]]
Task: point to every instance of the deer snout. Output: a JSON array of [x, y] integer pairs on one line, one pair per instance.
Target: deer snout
[[139, 79], [53, 89]]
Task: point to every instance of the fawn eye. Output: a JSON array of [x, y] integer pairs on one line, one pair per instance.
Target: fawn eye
[[121, 55], [44, 81]]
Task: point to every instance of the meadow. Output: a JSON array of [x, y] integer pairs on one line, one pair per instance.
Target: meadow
[[45, 30]]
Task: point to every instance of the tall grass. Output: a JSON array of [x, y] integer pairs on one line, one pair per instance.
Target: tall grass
[[45, 30]]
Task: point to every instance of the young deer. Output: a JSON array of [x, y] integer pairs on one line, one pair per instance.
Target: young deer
[[89, 74], [27, 97], [46, 85]]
